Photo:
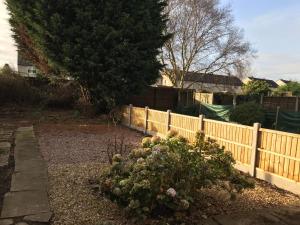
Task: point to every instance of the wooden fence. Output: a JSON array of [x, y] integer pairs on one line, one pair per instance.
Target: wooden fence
[[289, 104], [268, 155]]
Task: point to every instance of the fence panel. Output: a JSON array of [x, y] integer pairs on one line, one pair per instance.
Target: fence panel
[[279, 153], [235, 138], [275, 157], [157, 121], [186, 126], [138, 118]]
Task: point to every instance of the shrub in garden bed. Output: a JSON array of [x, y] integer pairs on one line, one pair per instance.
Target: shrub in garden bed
[[165, 176], [248, 114]]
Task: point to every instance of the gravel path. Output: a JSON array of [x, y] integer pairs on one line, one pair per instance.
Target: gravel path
[[76, 143], [76, 153]]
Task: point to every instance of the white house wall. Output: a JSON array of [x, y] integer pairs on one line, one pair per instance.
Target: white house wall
[[26, 71]]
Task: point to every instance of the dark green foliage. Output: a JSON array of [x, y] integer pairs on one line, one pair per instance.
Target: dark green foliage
[[248, 114], [191, 110], [167, 175], [256, 88], [15, 89], [110, 47]]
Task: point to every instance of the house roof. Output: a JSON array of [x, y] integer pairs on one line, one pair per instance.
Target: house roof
[[271, 83], [285, 81], [213, 79]]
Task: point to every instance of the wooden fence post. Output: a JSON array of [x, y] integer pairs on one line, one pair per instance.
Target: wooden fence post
[[130, 115], [168, 120], [254, 151], [201, 123], [146, 119], [234, 101], [297, 104], [262, 99], [277, 117]]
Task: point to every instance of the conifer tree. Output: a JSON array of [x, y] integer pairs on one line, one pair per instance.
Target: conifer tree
[[109, 46]]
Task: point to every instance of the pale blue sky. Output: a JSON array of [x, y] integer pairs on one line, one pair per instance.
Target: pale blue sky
[[272, 26]]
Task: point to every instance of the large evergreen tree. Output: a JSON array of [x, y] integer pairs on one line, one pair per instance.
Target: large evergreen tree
[[109, 46]]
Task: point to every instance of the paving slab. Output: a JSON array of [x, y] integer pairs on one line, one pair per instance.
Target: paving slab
[[5, 145], [28, 165], [39, 218], [28, 195], [4, 159], [6, 222], [27, 153], [36, 180], [24, 203]]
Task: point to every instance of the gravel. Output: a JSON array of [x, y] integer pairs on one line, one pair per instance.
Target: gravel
[[80, 143], [76, 154]]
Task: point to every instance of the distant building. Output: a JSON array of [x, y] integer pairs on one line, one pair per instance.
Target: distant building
[[206, 82], [271, 83], [282, 82], [25, 67]]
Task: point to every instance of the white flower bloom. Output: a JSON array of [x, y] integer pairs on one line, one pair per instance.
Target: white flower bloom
[[171, 192]]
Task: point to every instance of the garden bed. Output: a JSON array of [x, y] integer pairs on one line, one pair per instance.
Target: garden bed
[[76, 154]]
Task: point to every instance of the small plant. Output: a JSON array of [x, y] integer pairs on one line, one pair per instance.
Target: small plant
[[164, 176], [248, 114], [116, 147], [115, 116]]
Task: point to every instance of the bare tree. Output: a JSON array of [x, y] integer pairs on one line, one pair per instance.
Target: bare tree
[[204, 40]]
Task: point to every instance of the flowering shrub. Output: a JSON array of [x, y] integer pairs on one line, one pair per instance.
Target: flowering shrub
[[166, 175]]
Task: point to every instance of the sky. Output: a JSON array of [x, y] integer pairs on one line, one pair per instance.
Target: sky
[[273, 29], [271, 26]]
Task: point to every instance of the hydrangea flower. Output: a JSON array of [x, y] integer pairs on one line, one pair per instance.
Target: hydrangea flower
[[155, 140], [171, 133], [171, 192], [117, 191], [117, 158], [146, 142], [184, 204]]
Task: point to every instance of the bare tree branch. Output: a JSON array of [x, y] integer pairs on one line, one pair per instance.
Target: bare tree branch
[[204, 40]]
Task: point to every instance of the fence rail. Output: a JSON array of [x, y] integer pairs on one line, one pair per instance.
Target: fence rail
[[269, 155]]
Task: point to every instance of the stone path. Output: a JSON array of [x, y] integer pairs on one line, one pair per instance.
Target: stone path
[[6, 136], [27, 202]]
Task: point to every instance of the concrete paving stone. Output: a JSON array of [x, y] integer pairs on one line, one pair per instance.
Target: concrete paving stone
[[5, 145], [6, 222], [39, 218], [22, 129], [27, 154], [29, 165], [35, 180], [24, 203], [4, 160]]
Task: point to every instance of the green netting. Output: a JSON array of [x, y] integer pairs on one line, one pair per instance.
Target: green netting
[[287, 121], [216, 112]]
